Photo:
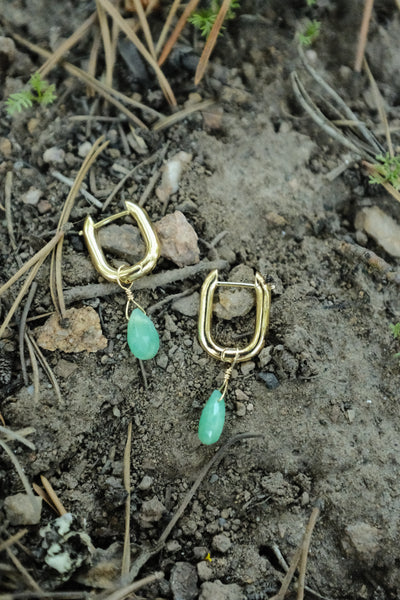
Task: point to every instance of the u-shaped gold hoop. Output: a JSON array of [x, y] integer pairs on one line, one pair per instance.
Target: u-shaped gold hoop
[[263, 302], [125, 274]]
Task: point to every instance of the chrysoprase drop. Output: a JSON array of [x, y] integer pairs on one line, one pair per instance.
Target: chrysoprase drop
[[143, 339], [212, 419]]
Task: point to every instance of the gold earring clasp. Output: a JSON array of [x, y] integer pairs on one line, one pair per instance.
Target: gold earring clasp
[[263, 302], [126, 274]]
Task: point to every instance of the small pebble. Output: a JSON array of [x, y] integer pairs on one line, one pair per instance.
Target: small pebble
[[264, 358], [162, 361], [146, 483], [32, 196], [247, 367], [235, 301], [221, 543], [44, 206], [151, 511], [84, 149], [240, 409], [215, 590], [270, 380], [178, 239], [200, 552], [5, 147], [22, 509], [173, 546], [54, 155], [7, 52]]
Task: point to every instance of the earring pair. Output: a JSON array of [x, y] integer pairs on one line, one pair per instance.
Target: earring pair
[[143, 339]]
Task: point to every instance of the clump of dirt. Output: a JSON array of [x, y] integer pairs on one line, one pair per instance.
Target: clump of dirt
[[323, 393]]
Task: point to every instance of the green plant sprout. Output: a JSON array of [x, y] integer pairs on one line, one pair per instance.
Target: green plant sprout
[[310, 33], [395, 329], [204, 19], [40, 91], [388, 171], [311, 2]]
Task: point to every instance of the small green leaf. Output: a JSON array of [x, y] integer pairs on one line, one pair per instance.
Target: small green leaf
[[310, 34], [395, 329], [18, 101]]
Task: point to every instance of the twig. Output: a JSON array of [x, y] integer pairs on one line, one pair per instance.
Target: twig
[[211, 41], [126, 555], [145, 555], [35, 369], [151, 282], [53, 496], [45, 595], [170, 298], [93, 58], [182, 114], [167, 25], [362, 39], [7, 202], [70, 182], [370, 259], [22, 326], [166, 88], [189, 8], [144, 375], [12, 539]]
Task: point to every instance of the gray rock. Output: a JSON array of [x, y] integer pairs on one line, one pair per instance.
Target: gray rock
[[363, 540], [146, 483], [235, 301], [123, 241], [221, 543], [7, 51], [151, 511], [22, 509], [215, 590], [188, 306], [32, 196], [204, 571], [183, 581], [270, 380]]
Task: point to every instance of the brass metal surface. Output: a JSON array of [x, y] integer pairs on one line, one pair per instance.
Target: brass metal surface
[[127, 273], [263, 302]]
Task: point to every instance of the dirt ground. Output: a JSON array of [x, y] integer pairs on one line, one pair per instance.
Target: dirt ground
[[261, 172]]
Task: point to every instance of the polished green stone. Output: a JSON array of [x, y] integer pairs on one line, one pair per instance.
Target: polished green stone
[[143, 339], [212, 419]]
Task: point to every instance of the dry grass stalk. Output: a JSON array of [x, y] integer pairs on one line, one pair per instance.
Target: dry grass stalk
[[56, 288], [381, 107], [22, 325], [35, 370], [7, 202], [189, 8], [372, 170], [211, 41], [12, 539], [19, 436], [133, 587], [167, 25], [19, 469], [182, 114], [28, 579], [126, 556], [145, 27], [101, 88], [93, 58], [47, 369], [362, 39], [108, 49], [114, 14], [54, 499], [57, 55]]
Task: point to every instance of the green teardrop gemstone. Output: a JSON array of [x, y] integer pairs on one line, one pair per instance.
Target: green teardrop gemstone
[[143, 339], [212, 419]]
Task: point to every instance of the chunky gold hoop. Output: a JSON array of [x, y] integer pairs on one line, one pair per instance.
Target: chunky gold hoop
[[263, 302], [125, 274]]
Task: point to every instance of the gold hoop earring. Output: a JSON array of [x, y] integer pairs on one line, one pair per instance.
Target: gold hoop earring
[[143, 339], [212, 418]]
